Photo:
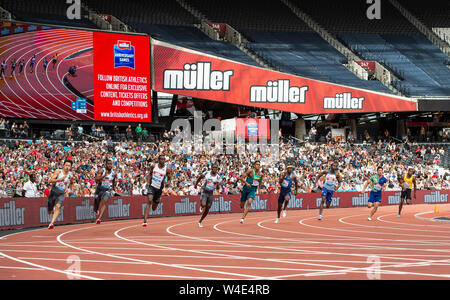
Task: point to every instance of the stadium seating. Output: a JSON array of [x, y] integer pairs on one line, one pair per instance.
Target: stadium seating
[[432, 13], [45, 12], [167, 12], [307, 54], [270, 15], [350, 17], [413, 58], [193, 38]]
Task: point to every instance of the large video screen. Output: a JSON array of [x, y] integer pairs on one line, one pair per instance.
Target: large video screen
[[61, 73]]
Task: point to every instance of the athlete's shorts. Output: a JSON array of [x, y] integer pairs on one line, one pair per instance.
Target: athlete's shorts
[[248, 193], [327, 193], [375, 197], [206, 198], [283, 195], [155, 192], [406, 194], [55, 196], [100, 194]]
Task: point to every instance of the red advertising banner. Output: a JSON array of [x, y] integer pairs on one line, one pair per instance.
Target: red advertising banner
[[221, 28], [32, 212], [367, 65], [121, 77], [106, 17], [191, 73], [247, 128]]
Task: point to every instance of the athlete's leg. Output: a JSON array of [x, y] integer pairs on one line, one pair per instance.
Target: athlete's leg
[[400, 206], [374, 209], [147, 207], [205, 212], [102, 208], [55, 213], [286, 203], [321, 206], [247, 207]]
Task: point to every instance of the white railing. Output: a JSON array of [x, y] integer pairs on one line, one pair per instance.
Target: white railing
[[321, 31], [209, 31], [193, 11], [356, 69], [443, 33], [118, 25], [4, 14]]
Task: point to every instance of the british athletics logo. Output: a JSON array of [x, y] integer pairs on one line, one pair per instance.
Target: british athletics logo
[[124, 55]]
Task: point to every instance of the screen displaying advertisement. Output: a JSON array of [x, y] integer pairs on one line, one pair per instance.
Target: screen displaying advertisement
[[200, 75], [60, 73], [253, 128]]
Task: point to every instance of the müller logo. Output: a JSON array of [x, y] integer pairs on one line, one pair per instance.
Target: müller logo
[[279, 91], [197, 76], [343, 101], [123, 54]]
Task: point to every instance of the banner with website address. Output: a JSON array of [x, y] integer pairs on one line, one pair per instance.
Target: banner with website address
[[191, 73], [32, 212], [121, 77]]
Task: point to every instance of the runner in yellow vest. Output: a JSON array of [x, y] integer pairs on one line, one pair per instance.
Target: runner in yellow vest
[[407, 182]]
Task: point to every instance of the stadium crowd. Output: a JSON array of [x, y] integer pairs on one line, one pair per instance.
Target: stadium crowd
[[37, 159]]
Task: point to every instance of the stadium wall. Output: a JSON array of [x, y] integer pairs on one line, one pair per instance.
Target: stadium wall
[[16, 213]]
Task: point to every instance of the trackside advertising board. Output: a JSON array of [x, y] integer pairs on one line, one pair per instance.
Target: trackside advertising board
[[32, 212], [187, 72]]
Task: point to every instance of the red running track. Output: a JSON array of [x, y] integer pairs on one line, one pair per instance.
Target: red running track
[[344, 245]]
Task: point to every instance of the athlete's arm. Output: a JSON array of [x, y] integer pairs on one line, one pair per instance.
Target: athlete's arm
[[339, 179], [149, 178], [243, 177], [69, 186], [280, 181], [414, 183], [295, 183], [99, 177], [365, 185], [198, 180], [54, 177], [320, 175], [114, 182], [169, 175]]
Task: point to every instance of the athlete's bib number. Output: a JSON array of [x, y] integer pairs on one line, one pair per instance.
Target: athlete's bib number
[[106, 183], [255, 183], [377, 187], [285, 183], [157, 180], [210, 186], [406, 185]]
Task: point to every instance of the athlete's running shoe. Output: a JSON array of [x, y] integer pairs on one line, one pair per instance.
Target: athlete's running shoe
[[320, 217], [200, 224], [369, 219], [98, 221], [276, 220], [144, 224], [51, 226], [284, 214], [242, 221]]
